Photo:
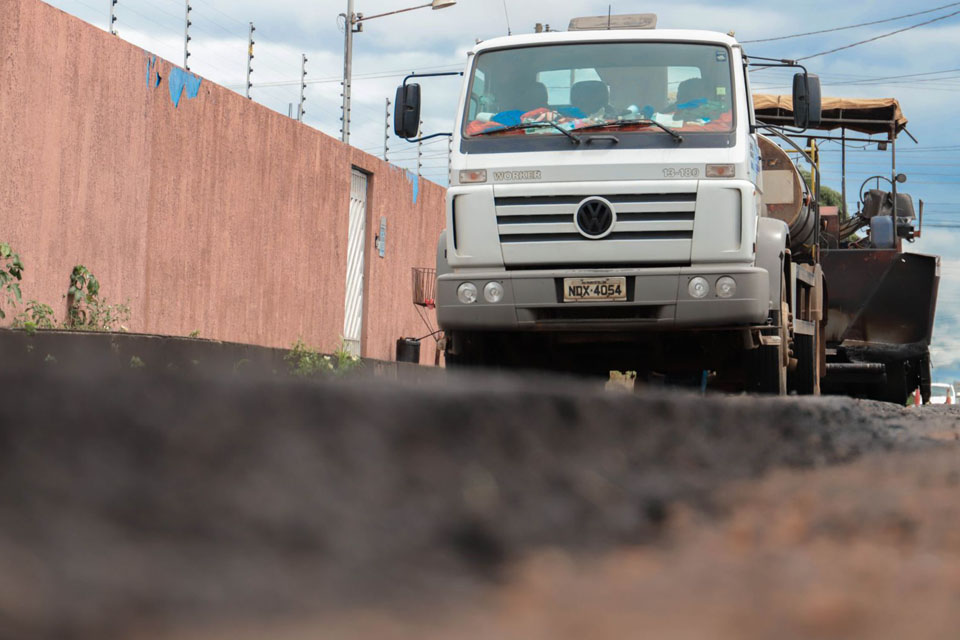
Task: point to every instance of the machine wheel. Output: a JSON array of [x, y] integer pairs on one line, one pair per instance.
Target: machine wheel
[[925, 379], [895, 388], [767, 365]]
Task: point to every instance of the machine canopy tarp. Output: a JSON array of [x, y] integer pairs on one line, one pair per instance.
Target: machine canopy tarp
[[864, 115]]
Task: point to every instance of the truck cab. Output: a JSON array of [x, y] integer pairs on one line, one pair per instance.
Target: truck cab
[[605, 209]]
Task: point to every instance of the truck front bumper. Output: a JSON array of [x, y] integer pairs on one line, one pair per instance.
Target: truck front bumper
[[656, 299]]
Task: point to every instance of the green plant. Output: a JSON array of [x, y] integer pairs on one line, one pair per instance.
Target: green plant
[[136, 363], [11, 272], [85, 309], [828, 197], [306, 361], [195, 333], [346, 359], [83, 292], [107, 317], [35, 315]]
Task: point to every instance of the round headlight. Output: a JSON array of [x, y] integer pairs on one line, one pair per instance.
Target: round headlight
[[493, 292], [726, 287], [467, 293], [698, 287]]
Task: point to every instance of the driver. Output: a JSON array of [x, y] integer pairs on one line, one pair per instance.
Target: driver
[[591, 100]]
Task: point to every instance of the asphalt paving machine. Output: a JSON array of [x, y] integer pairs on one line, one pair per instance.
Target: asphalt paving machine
[[880, 299]]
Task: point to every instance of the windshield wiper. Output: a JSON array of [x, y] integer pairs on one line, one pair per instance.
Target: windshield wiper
[[531, 125], [619, 123]]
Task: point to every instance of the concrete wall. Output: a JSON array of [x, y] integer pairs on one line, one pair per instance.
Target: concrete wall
[[215, 215]]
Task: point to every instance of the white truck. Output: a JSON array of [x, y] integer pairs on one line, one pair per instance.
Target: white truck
[[606, 211]]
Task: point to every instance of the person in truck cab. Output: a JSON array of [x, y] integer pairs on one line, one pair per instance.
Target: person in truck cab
[[591, 99], [696, 104]]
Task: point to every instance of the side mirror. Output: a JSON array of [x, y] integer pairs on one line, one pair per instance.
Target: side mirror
[[806, 100], [406, 116]]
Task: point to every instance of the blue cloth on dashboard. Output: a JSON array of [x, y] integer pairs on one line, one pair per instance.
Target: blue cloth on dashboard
[[572, 112], [508, 118]]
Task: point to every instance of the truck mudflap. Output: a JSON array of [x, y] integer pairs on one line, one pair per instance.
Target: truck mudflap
[[881, 307]]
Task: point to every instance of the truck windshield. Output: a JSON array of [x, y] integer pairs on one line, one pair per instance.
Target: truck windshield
[[686, 87]]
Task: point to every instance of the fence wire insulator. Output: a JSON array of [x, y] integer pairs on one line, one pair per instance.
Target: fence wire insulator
[[250, 43], [303, 87], [386, 133], [186, 37]]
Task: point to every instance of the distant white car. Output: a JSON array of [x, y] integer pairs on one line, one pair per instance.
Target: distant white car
[[942, 394]]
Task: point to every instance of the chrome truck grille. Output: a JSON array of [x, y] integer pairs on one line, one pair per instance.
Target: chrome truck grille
[[649, 228]]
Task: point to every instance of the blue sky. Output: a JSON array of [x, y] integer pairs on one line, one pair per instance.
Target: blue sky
[[427, 40]]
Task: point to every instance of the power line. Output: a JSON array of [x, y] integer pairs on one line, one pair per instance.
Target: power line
[[845, 79], [916, 84], [880, 37], [852, 26], [905, 75]]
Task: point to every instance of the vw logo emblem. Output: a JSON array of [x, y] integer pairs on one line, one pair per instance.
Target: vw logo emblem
[[595, 218]]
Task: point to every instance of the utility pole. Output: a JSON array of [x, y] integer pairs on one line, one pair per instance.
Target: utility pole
[[250, 44], [186, 38], [303, 88], [113, 17], [353, 23], [350, 20], [386, 133]]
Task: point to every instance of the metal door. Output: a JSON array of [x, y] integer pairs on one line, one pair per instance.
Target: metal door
[[353, 316]]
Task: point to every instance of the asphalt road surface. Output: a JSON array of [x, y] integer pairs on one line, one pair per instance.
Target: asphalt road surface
[[174, 507]]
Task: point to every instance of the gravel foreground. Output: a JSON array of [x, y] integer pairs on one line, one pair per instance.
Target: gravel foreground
[[164, 506]]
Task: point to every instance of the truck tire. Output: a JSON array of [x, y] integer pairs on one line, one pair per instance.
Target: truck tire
[[494, 351], [469, 353], [806, 379], [767, 364], [768, 370]]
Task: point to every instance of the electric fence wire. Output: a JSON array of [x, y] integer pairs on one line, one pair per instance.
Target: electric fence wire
[[147, 22], [266, 61], [363, 76]]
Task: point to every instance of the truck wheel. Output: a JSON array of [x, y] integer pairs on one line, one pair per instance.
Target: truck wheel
[[768, 369], [767, 364], [469, 351], [806, 379], [494, 351]]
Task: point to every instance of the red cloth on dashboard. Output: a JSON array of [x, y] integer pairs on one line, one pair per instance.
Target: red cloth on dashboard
[[478, 126]]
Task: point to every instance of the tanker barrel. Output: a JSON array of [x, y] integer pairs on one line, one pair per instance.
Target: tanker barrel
[[785, 196]]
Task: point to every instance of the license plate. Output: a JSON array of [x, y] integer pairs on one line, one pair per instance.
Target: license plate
[[590, 289]]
